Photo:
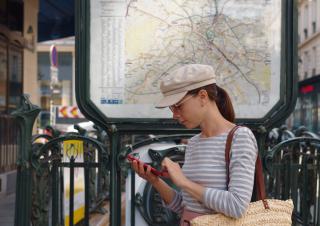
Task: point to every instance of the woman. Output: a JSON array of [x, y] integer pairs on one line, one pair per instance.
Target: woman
[[196, 101]]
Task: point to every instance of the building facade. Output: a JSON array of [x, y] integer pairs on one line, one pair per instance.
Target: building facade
[[307, 111], [18, 75]]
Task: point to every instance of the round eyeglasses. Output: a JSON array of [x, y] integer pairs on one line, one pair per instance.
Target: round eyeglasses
[[177, 107]]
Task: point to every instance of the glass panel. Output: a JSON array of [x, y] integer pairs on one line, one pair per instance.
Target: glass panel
[[15, 77], [3, 76]]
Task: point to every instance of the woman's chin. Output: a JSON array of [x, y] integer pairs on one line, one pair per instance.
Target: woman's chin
[[188, 125]]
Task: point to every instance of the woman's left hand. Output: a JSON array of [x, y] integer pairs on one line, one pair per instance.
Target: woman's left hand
[[174, 171]]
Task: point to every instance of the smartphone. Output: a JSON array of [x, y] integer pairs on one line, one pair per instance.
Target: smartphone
[[156, 172]]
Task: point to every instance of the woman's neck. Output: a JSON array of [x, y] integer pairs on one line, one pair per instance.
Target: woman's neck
[[214, 124]]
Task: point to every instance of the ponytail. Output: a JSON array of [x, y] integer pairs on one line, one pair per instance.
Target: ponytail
[[224, 104]]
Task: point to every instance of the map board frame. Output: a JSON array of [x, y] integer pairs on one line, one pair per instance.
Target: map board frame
[[278, 113]]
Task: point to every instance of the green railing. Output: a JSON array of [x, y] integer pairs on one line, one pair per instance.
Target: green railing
[[292, 171], [291, 160]]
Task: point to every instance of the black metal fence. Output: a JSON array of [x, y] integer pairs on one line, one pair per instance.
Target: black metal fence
[[56, 164], [293, 171], [291, 160], [9, 145]]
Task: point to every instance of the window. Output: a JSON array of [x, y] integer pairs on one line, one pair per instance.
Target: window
[[314, 60], [11, 14], [314, 15], [3, 12], [306, 21], [14, 77], [306, 62], [43, 66], [305, 31], [64, 66], [15, 15]]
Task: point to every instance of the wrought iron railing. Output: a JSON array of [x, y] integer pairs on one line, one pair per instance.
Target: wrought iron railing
[[293, 171], [291, 160]]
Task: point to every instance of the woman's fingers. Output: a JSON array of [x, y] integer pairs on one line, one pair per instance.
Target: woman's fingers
[[143, 172], [135, 166], [165, 162]]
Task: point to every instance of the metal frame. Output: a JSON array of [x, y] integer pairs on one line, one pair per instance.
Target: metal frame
[[277, 114], [115, 127]]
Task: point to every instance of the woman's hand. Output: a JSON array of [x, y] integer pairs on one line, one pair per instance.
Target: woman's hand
[[145, 174], [174, 171]]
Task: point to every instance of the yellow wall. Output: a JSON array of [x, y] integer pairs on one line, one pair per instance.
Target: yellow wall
[[30, 71]]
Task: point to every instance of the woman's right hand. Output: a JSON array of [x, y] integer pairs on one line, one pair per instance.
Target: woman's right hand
[[145, 174]]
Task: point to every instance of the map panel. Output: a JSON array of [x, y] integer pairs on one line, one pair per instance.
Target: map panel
[[133, 44]]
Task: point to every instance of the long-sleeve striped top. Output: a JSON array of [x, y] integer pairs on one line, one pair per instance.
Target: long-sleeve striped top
[[205, 164]]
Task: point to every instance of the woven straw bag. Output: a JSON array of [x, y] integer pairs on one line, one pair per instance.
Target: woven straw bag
[[278, 214], [265, 212]]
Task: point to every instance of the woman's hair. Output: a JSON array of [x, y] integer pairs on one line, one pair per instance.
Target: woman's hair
[[221, 97]]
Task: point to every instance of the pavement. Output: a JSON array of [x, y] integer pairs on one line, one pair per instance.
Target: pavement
[[103, 219], [7, 208]]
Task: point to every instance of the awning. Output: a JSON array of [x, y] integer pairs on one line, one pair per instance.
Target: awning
[[55, 19]]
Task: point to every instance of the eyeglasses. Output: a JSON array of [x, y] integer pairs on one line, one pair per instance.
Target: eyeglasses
[[177, 106]]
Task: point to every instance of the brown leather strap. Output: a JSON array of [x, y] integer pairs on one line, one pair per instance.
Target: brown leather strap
[[261, 192], [227, 151], [259, 181]]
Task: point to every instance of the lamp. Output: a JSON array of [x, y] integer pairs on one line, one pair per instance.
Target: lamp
[[29, 38]]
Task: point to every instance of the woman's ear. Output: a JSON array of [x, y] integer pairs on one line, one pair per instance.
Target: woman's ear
[[203, 95]]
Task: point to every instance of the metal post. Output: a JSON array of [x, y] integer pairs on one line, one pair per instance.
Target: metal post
[[133, 198], [87, 193], [115, 183], [53, 81], [25, 117], [55, 195], [71, 192]]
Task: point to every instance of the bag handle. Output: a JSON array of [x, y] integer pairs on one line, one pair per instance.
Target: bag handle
[[259, 181]]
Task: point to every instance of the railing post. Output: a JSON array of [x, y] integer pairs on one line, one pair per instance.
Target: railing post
[[103, 173], [115, 183], [25, 117]]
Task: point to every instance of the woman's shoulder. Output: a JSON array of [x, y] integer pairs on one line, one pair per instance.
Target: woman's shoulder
[[244, 131], [245, 135]]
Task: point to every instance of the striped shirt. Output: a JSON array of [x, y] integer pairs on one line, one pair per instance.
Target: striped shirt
[[205, 165]]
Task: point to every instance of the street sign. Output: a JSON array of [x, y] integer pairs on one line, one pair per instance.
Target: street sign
[[127, 47], [53, 56], [69, 112]]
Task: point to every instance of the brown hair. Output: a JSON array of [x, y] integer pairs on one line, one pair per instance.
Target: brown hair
[[221, 97]]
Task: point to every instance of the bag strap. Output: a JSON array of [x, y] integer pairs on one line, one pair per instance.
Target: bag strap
[[259, 181]]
